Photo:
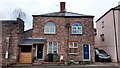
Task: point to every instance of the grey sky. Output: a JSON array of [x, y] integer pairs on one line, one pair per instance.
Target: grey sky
[[33, 7]]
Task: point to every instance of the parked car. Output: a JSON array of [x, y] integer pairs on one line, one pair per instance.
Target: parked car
[[101, 55]]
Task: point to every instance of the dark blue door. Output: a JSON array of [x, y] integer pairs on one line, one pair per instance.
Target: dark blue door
[[86, 51]]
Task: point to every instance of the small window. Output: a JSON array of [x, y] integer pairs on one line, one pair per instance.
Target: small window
[[73, 47], [76, 28], [103, 24], [102, 37], [26, 48], [49, 28], [52, 47]]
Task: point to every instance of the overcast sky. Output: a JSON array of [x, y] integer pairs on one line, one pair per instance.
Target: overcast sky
[[33, 7]]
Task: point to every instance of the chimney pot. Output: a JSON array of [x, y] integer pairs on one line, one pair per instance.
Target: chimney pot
[[119, 3], [62, 6]]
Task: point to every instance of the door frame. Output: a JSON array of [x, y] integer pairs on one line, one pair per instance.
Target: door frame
[[83, 52], [37, 53]]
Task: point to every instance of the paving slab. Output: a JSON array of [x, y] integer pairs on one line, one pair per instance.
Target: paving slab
[[95, 65]]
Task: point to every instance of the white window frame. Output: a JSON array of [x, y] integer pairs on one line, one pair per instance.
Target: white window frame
[[47, 28], [83, 53], [77, 29], [52, 47], [73, 47]]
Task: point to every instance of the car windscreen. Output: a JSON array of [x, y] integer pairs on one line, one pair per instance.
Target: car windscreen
[[102, 51]]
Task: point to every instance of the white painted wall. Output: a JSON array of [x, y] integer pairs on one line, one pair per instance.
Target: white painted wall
[[118, 27], [109, 45], [0, 44]]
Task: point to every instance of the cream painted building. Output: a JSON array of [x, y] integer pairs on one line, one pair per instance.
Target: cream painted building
[[108, 33]]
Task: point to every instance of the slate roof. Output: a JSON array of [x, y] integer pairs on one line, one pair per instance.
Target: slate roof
[[31, 41], [9, 21], [63, 14], [13, 21], [27, 33], [115, 8]]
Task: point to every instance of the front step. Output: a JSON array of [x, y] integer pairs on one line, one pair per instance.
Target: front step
[[52, 63], [38, 62], [21, 65]]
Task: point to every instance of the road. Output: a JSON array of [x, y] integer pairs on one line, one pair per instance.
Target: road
[[75, 66], [95, 65]]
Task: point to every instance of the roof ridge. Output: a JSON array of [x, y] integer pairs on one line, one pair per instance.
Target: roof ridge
[[64, 14]]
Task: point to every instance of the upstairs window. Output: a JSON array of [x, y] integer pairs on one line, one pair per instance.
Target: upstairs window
[[76, 28], [102, 37], [49, 28], [103, 24]]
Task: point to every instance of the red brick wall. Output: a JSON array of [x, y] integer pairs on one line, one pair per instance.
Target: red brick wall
[[14, 29], [61, 35]]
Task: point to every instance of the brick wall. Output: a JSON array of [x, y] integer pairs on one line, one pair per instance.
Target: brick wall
[[14, 30], [61, 35]]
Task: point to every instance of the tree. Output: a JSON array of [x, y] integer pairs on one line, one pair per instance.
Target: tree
[[18, 13]]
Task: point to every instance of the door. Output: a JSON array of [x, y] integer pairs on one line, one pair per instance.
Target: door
[[86, 52], [39, 51], [25, 54]]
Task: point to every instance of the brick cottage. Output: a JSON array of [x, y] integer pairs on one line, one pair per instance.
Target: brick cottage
[[69, 34], [66, 33]]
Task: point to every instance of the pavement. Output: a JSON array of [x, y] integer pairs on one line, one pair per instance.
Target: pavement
[[95, 65]]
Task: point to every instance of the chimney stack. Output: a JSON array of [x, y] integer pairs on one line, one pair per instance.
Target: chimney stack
[[62, 7], [119, 3]]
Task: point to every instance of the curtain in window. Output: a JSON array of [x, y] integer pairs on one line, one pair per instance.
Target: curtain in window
[[76, 28], [73, 47], [49, 28], [52, 47]]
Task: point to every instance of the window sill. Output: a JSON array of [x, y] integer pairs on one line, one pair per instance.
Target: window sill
[[49, 33], [72, 33], [102, 26], [73, 53], [77, 34]]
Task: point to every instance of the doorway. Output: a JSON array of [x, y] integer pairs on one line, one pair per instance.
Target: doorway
[[86, 52], [39, 51]]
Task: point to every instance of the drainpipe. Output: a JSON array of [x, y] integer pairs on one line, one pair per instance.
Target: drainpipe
[[7, 50], [67, 26], [115, 34]]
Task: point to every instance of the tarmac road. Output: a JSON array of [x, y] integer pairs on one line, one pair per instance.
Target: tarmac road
[[75, 66], [95, 65]]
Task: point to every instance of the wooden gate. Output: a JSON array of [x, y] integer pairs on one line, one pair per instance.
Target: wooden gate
[[25, 55], [25, 58]]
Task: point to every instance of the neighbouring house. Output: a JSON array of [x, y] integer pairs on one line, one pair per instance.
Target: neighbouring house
[[0, 44], [108, 33], [11, 34], [66, 33]]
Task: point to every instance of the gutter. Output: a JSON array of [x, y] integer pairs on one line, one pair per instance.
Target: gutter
[[115, 35]]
